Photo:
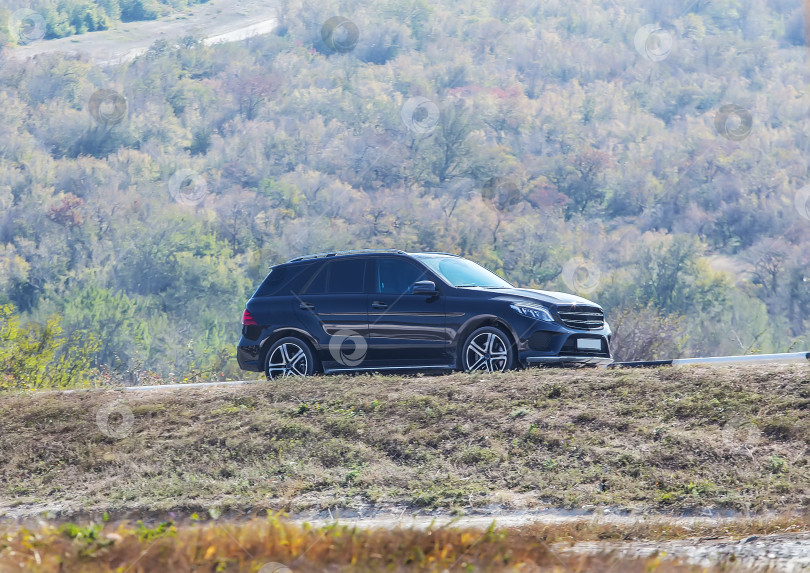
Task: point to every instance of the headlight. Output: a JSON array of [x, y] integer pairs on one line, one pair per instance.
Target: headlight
[[536, 312]]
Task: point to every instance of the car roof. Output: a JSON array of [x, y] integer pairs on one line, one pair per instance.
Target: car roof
[[362, 252]]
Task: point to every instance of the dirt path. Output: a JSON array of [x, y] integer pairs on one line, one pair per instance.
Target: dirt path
[[216, 21], [784, 552], [788, 552]]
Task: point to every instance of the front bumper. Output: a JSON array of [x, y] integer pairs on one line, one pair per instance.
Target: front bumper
[[551, 343]]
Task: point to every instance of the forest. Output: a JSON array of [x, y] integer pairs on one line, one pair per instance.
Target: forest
[[651, 156]]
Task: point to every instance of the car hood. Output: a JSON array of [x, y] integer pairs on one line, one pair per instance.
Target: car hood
[[547, 298]]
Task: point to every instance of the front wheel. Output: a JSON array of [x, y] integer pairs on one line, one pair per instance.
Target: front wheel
[[488, 349], [289, 357]]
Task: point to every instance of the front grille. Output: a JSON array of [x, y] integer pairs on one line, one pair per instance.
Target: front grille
[[582, 317]]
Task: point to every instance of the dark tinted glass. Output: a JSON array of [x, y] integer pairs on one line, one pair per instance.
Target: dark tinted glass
[[285, 280], [347, 276], [272, 282], [299, 276], [396, 276], [318, 284]]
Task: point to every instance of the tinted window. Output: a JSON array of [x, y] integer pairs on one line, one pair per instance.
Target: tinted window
[[318, 283], [298, 277], [284, 280], [347, 276], [396, 276], [272, 282]]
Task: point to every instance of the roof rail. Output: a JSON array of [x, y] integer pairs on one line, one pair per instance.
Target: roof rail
[[341, 253]]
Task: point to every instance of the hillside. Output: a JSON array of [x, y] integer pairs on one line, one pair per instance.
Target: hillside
[[214, 20], [666, 440], [651, 156]]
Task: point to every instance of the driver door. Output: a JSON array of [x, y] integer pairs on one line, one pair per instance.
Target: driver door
[[405, 329]]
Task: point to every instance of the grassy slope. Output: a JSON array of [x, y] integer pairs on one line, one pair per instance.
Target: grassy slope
[[668, 439]]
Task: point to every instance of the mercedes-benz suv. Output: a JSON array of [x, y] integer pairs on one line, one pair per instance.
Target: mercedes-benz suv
[[388, 310]]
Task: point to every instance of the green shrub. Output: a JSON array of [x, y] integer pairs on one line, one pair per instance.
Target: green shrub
[[33, 355]]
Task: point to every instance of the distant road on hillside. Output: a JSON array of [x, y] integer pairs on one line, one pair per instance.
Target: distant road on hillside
[[217, 21]]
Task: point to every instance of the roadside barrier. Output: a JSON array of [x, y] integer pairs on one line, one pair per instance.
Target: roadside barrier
[[751, 359]]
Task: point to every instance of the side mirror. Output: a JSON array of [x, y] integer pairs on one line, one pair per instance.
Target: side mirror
[[424, 287]]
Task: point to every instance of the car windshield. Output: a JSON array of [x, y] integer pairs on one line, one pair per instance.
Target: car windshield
[[462, 273]]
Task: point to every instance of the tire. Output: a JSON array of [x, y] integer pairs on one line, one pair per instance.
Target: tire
[[488, 349], [288, 357]]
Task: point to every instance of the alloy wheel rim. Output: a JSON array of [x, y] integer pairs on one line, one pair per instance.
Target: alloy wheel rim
[[487, 352], [287, 360]]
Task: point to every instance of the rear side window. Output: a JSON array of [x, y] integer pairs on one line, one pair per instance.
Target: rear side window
[[318, 283], [284, 280], [347, 276], [339, 277]]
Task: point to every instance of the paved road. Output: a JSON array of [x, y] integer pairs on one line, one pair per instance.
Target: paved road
[[216, 21], [159, 387]]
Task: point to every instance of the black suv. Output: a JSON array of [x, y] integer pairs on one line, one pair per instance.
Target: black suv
[[388, 310]]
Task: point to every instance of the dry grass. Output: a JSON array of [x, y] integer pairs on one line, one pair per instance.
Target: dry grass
[[248, 546], [669, 440]]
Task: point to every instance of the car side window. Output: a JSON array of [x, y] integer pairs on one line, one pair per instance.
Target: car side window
[[395, 276], [347, 276], [318, 283]]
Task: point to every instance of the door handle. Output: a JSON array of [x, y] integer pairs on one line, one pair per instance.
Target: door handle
[[306, 306], [378, 305]]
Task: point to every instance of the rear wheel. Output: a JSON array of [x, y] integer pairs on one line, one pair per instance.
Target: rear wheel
[[289, 357], [488, 349]]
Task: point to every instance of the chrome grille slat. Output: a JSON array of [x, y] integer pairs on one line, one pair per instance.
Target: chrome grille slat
[[582, 317]]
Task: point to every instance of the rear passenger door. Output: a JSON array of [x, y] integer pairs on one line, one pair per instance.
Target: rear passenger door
[[405, 329], [333, 308]]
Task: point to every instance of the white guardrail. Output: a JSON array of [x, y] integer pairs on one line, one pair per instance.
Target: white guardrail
[[749, 359]]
